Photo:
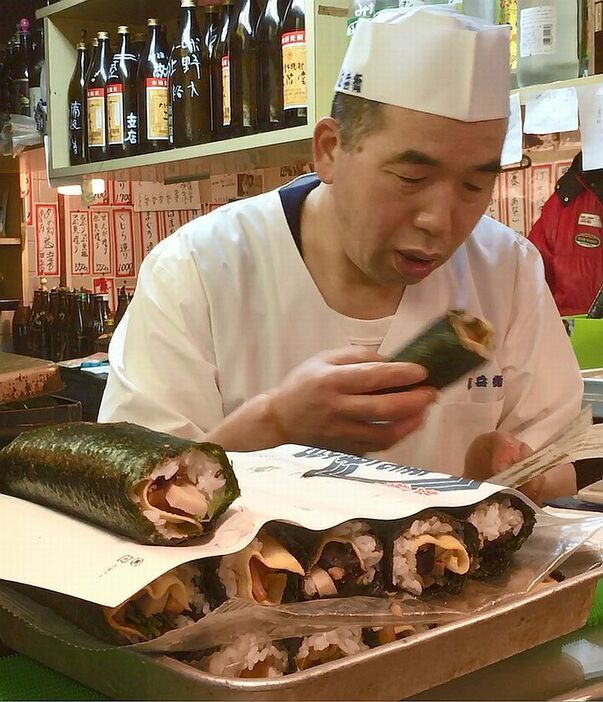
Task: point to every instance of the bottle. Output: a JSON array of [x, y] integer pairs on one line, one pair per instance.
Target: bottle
[[96, 97], [92, 57], [548, 41], [270, 68], [37, 106], [122, 99], [38, 325], [122, 305], [220, 65], [242, 59], [138, 43], [80, 327], [77, 108], [190, 114], [20, 330], [293, 42], [153, 96], [210, 40], [20, 71]]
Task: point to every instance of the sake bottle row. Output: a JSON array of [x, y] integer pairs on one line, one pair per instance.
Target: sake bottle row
[[232, 70]]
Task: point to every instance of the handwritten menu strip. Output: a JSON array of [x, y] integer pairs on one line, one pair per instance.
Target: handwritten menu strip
[[47, 239], [155, 197], [171, 221], [102, 246], [516, 196], [149, 231], [105, 286], [26, 196], [495, 203], [541, 188], [80, 243], [561, 168], [102, 199], [122, 192], [124, 241]]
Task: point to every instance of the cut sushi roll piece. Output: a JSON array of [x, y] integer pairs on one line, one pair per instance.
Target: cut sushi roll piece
[[378, 636], [347, 561], [450, 348], [325, 647], [151, 487], [503, 524], [432, 552], [247, 657], [262, 572]]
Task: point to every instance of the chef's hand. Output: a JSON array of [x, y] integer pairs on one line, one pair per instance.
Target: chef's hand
[[492, 453], [328, 402]]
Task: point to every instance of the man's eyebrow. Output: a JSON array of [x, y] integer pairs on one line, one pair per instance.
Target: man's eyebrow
[[420, 158]]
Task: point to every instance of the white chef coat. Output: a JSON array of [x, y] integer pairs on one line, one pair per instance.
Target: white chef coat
[[225, 308]]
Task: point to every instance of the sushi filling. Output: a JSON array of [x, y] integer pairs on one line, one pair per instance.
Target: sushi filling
[[423, 554], [246, 658], [259, 572], [496, 521], [159, 606], [181, 494], [329, 646], [348, 556]]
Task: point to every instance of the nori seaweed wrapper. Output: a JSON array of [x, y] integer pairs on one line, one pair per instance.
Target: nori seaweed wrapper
[[450, 348], [88, 470], [494, 557], [463, 531]]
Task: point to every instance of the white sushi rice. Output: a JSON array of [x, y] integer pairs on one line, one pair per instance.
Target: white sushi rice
[[495, 518], [347, 639], [404, 569], [358, 533], [244, 654], [227, 572]]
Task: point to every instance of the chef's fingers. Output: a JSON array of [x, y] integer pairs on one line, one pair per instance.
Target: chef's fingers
[[386, 408]]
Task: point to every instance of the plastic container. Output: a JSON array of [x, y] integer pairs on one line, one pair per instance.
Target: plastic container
[[547, 41]]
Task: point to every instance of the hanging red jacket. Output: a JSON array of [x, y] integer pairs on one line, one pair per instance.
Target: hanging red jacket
[[569, 236]]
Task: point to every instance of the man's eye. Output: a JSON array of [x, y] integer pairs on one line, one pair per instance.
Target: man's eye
[[410, 181], [472, 188]]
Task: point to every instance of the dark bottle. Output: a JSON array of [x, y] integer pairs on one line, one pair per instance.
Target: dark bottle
[[77, 108], [80, 327], [153, 92], [37, 106], [293, 42], [122, 99], [122, 305], [20, 330], [5, 96], [596, 309], [20, 71], [96, 98], [92, 58], [243, 70], [138, 44], [190, 119], [220, 76], [210, 39], [38, 325], [270, 68], [97, 317]]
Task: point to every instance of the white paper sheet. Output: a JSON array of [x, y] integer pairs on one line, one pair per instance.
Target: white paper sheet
[[552, 111], [512, 148], [590, 103]]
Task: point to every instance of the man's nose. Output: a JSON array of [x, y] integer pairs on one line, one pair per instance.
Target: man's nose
[[435, 212]]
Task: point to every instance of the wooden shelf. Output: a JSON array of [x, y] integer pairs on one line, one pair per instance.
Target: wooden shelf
[[63, 23], [10, 241], [531, 90]]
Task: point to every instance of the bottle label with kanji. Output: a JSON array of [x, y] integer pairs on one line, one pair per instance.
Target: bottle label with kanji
[[295, 92], [96, 117], [157, 108], [115, 114], [226, 108]]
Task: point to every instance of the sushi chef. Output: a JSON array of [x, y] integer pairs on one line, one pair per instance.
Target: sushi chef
[[271, 319]]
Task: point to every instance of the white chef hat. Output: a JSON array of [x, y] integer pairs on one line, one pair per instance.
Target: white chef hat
[[430, 59]]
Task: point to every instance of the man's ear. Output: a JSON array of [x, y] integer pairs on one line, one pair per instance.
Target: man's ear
[[326, 144]]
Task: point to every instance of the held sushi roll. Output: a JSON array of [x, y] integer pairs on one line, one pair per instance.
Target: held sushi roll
[[151, 487], [247, 657], [325, 647], [450, 348], [503, 523], [347, 561], [432, 552], [262, 572]]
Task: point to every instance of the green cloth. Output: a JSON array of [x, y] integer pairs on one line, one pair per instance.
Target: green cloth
[[22, 678], [595, 618]]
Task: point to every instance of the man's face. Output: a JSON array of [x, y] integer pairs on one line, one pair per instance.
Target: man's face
[[409, 194]]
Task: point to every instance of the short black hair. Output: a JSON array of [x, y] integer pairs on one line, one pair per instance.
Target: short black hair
[[357, 118]]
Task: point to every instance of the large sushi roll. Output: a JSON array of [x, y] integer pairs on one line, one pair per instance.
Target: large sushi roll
[[346, 562], [247, 657], [503, 524], [151, 487], [431, 552], [172, 601], [262, 572]]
